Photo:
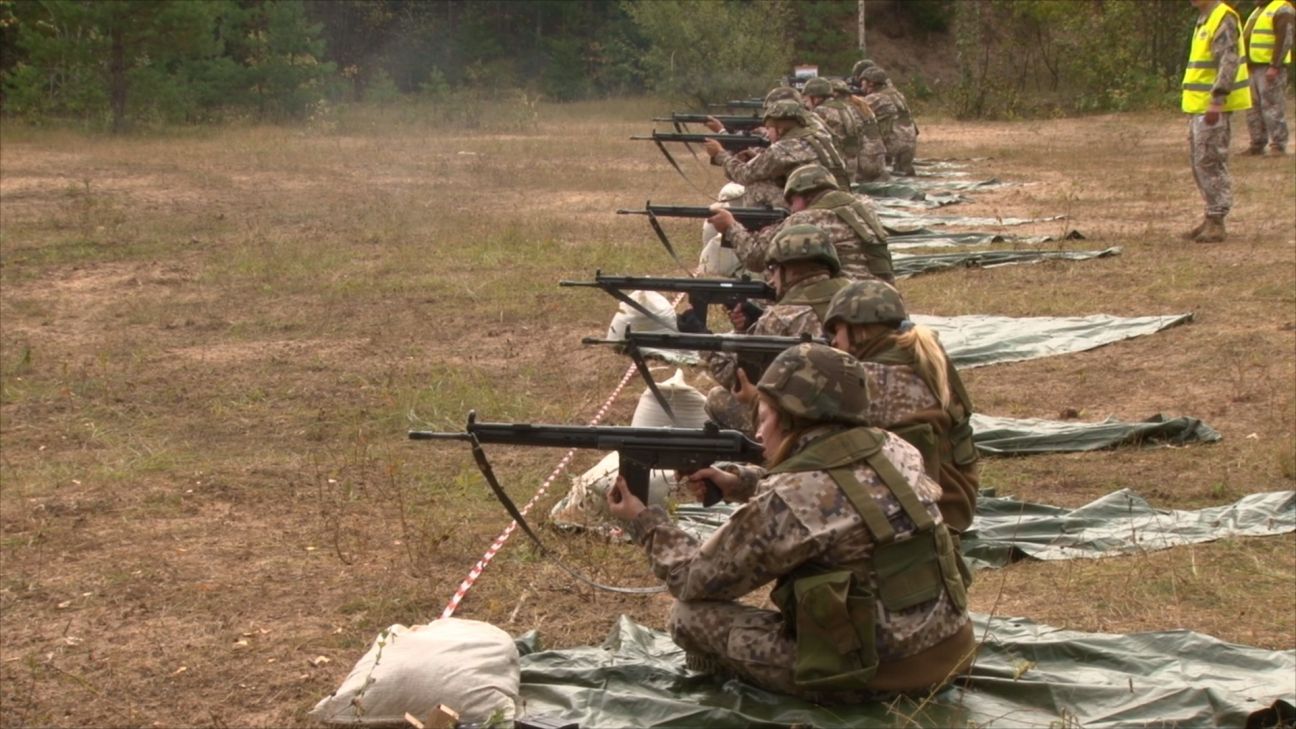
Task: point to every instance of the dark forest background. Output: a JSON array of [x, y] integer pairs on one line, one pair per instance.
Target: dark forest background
[[144, 63]]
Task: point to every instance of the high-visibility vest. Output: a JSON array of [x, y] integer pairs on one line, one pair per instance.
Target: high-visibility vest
[[1199, 77], [1260, 34]]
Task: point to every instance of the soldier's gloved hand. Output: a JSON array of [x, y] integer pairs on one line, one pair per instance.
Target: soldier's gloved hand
[[692, 321], [621, 503], [721, 219]]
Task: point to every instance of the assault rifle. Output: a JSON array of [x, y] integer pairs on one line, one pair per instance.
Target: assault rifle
[[731, 142], [640, 449], [736, 123], [751, 218], [702, 292], [740, 104], [753, 352]]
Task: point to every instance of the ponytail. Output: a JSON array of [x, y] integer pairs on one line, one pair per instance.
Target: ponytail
[[930, 360]]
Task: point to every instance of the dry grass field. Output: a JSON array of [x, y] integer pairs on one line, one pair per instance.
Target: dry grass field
[[211, 341]]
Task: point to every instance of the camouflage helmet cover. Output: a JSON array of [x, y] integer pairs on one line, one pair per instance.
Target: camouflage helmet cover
[[809, 178], [860, 65], [865, 302], [816, 383], [840, 87], [785, 109], [781, 93], [804, 243], [874, 74], [817, 86]]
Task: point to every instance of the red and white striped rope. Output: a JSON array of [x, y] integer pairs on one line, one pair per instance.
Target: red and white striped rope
[[495, 547]]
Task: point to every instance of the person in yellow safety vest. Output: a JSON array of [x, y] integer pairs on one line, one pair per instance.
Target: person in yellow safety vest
[[1215, 84], [1269, 39]]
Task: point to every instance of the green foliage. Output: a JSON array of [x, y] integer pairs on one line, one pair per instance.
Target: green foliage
[[706, 50]]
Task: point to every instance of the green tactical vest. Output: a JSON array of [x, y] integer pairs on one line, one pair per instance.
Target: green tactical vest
[[852, 139], [831, 609], [825, 153], [867, 227], [815, 295]]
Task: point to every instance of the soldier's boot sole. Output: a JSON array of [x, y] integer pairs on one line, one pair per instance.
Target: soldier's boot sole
[[1213, 232]]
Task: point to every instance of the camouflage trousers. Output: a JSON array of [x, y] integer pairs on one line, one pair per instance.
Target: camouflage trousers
[[726, 411], [1208, 147], [901, 146], [870, 165], [1266, 119], [749, 642]]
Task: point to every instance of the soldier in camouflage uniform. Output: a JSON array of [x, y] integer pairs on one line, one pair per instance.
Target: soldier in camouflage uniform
[[844, 523], [843, 123], [803, 268], [1270, 34], [916, 392], [1215, 85], [793, 142], [814, 198], [870, 163], [899, 131]]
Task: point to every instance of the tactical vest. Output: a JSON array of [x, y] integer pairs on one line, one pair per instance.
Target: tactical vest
[[962, 451], [851, 138], [1199, 77], [868, 120], [815, 295], [872, 235], [824, 152], [1259, 34], [832, 610], [903, 117]]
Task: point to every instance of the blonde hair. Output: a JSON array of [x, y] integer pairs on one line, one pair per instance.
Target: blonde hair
[[930, 360]]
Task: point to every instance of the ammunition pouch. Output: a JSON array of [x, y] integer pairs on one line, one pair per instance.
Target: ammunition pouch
[[832, 615]]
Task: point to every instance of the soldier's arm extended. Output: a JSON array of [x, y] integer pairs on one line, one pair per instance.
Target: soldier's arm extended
[[750, 246], [766, 165]]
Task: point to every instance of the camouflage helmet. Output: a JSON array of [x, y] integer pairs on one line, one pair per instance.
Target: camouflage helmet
[[816, 383], [809, 178], [860, 65], [804, 243], [786, 109], [840, 87], [781, 93], [874, 74], [865, 302], [817, 86]]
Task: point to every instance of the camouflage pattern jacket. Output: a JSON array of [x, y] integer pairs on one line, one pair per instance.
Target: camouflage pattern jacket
[[851, 225], [846, 127], [791, 520], [797, 312], [798, 147]]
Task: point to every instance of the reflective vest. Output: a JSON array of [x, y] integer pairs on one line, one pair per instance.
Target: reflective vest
[[1199, 77], [1260, 34]]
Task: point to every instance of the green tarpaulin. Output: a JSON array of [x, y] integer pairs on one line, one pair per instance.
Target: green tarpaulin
[[1019, 436], [927, 238], [906, 265], [1119, 523], [977, 340], [1026, 675]]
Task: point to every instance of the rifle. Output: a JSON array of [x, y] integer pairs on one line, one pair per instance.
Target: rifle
[[753, 352], [737, 123], [702, 292], [751, 218], [640, 449], [740, 104], [731, 142]]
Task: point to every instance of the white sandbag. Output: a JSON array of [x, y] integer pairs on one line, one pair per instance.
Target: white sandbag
[[470, 666], [686, 402], [715, 259], [628, 316]]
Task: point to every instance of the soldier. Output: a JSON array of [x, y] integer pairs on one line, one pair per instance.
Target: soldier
[[844, 523], [803, 268], [792, 144], [859, 67], [899, 131], [843, 123], [870, 164], [916, 392], [1269, 38], [1215, 84], [814, 198]]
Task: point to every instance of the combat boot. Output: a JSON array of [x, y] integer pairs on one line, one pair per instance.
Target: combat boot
[[1213, 231], [1192, 234], [1254, 151], [1277, 149]]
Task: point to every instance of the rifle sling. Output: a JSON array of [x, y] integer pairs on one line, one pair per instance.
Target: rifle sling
[[484, 466]]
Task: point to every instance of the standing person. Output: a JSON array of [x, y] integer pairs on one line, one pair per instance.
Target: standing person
[[844, 522], [1215, 84], [1269, 38]]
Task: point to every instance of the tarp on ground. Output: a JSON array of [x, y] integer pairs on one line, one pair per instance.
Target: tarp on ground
[[1122, 522], [899, 221], [1021, 436], [927, 238], [976, 340], [1026, 675], [906, 266]]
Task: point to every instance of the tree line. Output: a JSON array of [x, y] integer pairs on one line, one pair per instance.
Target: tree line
[[116, 63]]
